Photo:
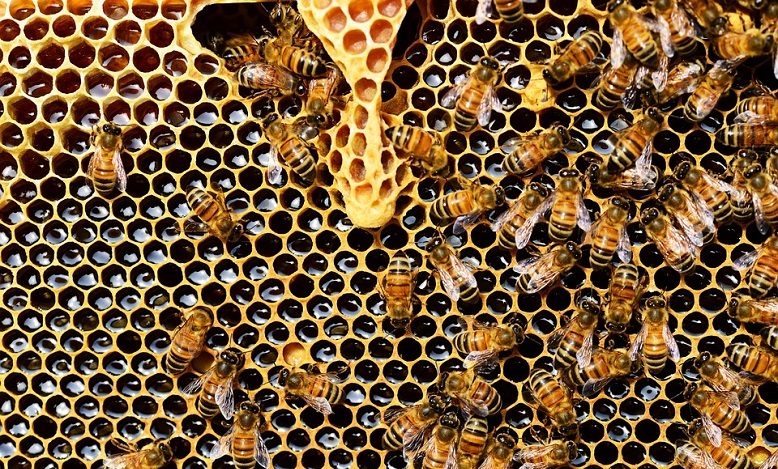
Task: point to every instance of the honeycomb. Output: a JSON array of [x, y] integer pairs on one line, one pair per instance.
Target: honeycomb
[[92, 286]]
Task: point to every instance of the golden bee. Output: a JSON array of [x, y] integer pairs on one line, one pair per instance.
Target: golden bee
[[734, 45], [718, 410], [574, 342], [709, 15], [475, 97], [282, 52], [499, 451], [152, 456], [640, 177], [678, 250], [567, 207], [397, 290], [609, 234], [635, 142], [285, 18], [690, 456], [318, 390], [510, 11], [439, 452], [553, 454], [472, 442], [526, 154], [690, 213], [188, 340], [706, 188], [555, 399], [682, 79], [514, 227], [617, 85], [758, 362], [321, 97], [626, 288], [215, 385], [764, 196], [422, 146], [713, 85], [466, 205], [769, 337], [655, 341], [106, 170], [632, 34], [457, 279], [676, 22], [538, 273], [239, 50], [216, 218], [761, 109], [764, 273], [729, 454], [754, 311], [286, 144], [270, 80], [244, 439], [474, 395], [741, 198], [485, 342], [720, 378], [575, 57], [750, 134], [605, 365], [406, 427]]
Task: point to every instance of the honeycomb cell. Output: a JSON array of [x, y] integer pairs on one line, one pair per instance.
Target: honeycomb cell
[[36, 30], [128, 33], [20, 57], [95, 28], [113, 57]]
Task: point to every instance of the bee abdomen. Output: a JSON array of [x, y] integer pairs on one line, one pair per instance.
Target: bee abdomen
[[202, 204], [174, 364], [302, 62], [473, 436], [300, 159], [206, 406], [510, 11], [243, 452]]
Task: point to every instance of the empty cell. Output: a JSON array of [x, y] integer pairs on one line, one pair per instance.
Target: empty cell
[[113, 58], [19, 57], [130, 86], [36, 85], [145, 9], [128, 32], [64, 26], [95, 28], [115, 9], [118, 112], [173, 9]]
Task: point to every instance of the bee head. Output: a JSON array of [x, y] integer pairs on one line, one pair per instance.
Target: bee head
[[572, 450], [433, 243], [490, 62], [574, 250], [300, 89], [700, 361], [569, 173], [719, 24], [283, 377], [449, 419], [753, 171], [665, 192], [539, 188], [518, 331], [682, 170], [548, 77], [400, 323], [233, 356], [563, 133], [568, 430], [621, 202], [690, 390], [165, 450], [236, 232], [758, 4], [248, 406], [505, 439], [648, 215], [734, 305], [617, 327], [654, 114], [591, 310], [112, 129], [499, 195], [593, 173], [439, 403]]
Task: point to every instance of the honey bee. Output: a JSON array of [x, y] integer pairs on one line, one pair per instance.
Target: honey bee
[[718, 410], [678, 250], [567, 206], [770, 337], [576, 56], [691, 457], [485, 342], [674, 20], [641, 177], [713, 85], [475, 97], [510, 11], [467, 205], [152, 456], [722, 379], [239, 50], [270, 80], [764, 196], [524, 155], [215, 385], [728, 454], [754, 311], [457, 280], [757, 110], [514, 227], [737, 46], [318, 390], [554, 454], [617, 85], [244, 439], [538, 273], [632, 33], [626, 288], [475, 395], [499, 451], [472, 442], [751, 134], [321, 102], [709, 15], [286, 143], [692, 215], [216, 217], [106, 170], [741, 198], [285, 18], [757, 362], [440, 449], [655, 340], [281, 51], [605, 365], [188, 340], [574, 342], [554, 399], [397, 290], [706, 188], [634, 142], [407, 426], [764, 273], [609, 234], [682, 79], [421, 145]]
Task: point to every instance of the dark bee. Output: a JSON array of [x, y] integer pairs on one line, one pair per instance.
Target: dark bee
[[215, 385], [318, 390]]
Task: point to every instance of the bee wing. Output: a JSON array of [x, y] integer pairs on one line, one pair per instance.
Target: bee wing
[[225, 397], [713, 431], [512, 144], [593, 386], [464, 221], [125, 461], [506, 215], [705, 105], [761, 223], [91, 168], [745, 261], [483, 11], [582, 215], [450, 98], [412, 440], [768, 306], [687, 225], [728, 376], [224, 444], [194, 227], [193, 387], [491, 463], [624, 249], [489, 102], [540, 271], [618, 49], [533, 452], [461, 269], [771, 461], [731, 399], [318, 404], [476, 359], [750, 117], [672, 345], [677, 241], [261, 454], [659, 76], [696, 458], [638, 178], [559, 334], [637, 345], [702, 212], [452, 462], [449, 286], [121, 174], [274, 167], [718, 184], [393, 414], [524, 232], [584, 355]]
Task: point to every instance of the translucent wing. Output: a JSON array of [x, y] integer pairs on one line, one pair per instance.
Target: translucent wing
[[507, 215], [746, 260], [676, 243], [274, 167], [318, 404], [91, 168], [687, 225], [672, 345], [556, 337], [512, 144], [475, 359], [775, 64], [718, 184], [637, 344], [121, 175], [768, 306], [391, 415], [533, 452], [634, 178], [618, 49], [483, 11], [772, 460], [582, 215], [489, 102], [450, 98], [624, 249], [750, 117], [681, 22], [125, 461], [731, 399], [193, 387], [194, 227], [540, 271], [225, 398], [659, 76], [412, 440], [761, 223], [705, 105], [465, 221], [584, 355], [665, 36], [491, 463], [461, 269], [524, 233], [449, 285], [452, 460], [713, 431], [223, 446], [697, 458], [261, 454], [728, 376], [593, 386]]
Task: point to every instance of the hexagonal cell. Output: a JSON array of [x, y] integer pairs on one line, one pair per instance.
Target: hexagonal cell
[[355, 42], [335, 19], [116, 9], [365, 89]]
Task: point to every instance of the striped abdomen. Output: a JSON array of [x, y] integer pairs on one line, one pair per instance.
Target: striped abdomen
[[718, 202], [472, 441], [761, 105], [749, 358], [733, 421], [604, 243], [104, 171], [179, 356], [547, 391], [641, 44], [302, 62], [236, 56], [467, 108], [206, 403], [399, 279], [453, 205], [569, 346], [437, 453], [613, 86], [525, 158], [243, 449], [627, 151], [730, 455], [299, 158], [763, 276], [655, 350], [510, 11], [563, 218], [481, 392]]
